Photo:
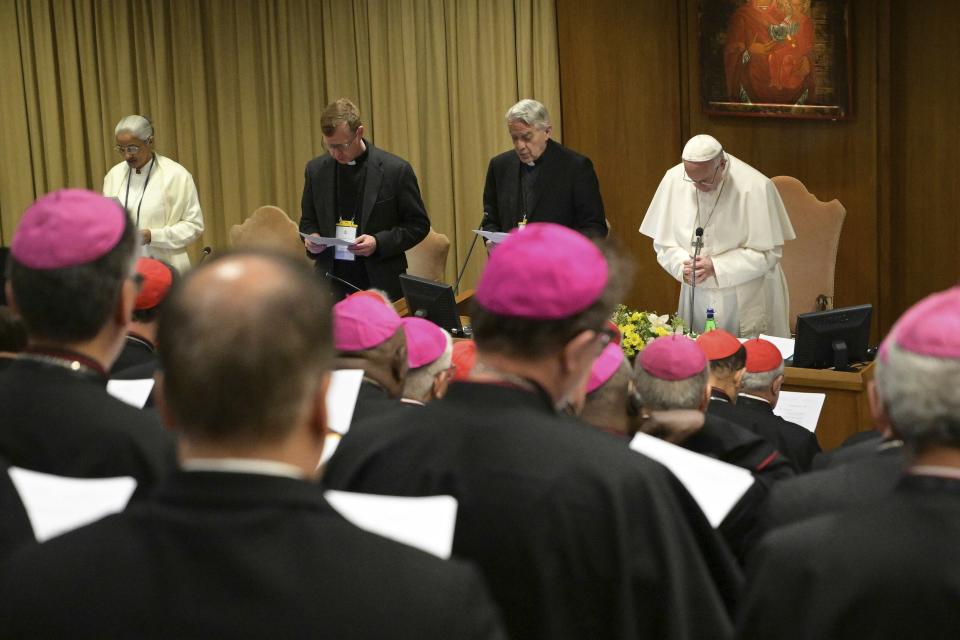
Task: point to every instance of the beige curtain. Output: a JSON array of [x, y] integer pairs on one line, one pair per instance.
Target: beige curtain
[[234, 88]]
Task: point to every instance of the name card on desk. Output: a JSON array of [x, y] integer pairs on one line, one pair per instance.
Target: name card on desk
[[715, 485], [424, 523], [801, 408], [56, 504]]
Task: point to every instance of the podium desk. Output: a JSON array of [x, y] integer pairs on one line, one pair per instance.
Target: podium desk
[[846, 409]]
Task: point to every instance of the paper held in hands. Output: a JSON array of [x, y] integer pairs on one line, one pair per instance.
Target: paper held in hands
[[321, 240], [715, 485], [342, 398], [801, 408], [496, 237]]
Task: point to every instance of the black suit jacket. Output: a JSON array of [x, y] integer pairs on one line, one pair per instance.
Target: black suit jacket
[[566, 192], [392, 211], [231, 555], [578, 536]]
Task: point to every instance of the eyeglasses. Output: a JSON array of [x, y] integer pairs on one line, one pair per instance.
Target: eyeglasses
[[132, 149], [343, 145], [704, 183]]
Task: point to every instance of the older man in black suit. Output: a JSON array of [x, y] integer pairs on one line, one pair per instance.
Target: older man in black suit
[[241, 543], [363, 194], [540, 180]]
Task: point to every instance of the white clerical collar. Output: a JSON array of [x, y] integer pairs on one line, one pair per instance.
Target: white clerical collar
[[532, 163], [935, 470], [244, 465], [753, 397], [412, 401]]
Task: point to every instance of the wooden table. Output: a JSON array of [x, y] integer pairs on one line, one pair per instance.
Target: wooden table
[[846, 409]]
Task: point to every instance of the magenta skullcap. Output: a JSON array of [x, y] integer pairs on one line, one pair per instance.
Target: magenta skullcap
[[673, 358], [362, 322], [931, 327], [67, 228], [604, 366], [425, 341], [545, 272]]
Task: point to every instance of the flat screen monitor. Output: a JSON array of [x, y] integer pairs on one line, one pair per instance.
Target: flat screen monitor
[[832, 338], [434, 301], [4, 252]]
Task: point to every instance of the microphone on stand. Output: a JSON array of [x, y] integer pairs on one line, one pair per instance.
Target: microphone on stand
[[697, 245], [204, 253], [330, 276], [456, 286]]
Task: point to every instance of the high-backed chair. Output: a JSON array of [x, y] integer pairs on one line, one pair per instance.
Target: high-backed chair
[[809, 262], [428, 259], [271, 228]]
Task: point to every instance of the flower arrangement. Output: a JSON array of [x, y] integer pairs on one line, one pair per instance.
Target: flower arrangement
[[637, 328]]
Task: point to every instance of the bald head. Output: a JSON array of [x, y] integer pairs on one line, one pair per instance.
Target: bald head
[[246, 339]]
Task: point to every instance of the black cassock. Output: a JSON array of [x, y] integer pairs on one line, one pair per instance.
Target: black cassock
[[577, 536], [885, 570]]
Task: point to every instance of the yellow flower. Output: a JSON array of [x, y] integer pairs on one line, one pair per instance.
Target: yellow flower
[[635, 316], [662, 331]]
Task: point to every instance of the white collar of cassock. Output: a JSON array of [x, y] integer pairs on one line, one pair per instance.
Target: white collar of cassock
[[747, 395], [244, 465]]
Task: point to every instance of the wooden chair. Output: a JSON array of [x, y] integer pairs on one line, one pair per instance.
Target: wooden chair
[[271, 228], [810, 261], [429, 258]]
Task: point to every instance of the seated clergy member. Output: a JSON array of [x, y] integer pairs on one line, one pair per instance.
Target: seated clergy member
[[13, 336], [241, 543], [889, 569], [429, 356], [578, 536], [671, 375], [75, 297], [609, 404], [759, 393], [540, 180], [140, 347]]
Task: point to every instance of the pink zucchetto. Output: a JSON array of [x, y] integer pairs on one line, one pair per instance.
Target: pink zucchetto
[[604, 366], [545, 272], [672, 358], [930, 328], [362, 322], [67, 228], [425, 341]]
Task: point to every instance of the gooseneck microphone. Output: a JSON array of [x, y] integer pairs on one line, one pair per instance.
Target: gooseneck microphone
[[330, 276], [204, 253], [456, 286], [697, 245]]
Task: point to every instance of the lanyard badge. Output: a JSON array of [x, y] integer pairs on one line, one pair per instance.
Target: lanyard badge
[[346, 230]]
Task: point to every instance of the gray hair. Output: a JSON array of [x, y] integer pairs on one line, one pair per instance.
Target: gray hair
[[139, 126], [663, 395], [920, 397], [760, 381], [419, 381], [529, 112]]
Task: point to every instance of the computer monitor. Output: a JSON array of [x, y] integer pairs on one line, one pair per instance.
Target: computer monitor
[[4, 252], [832, 338], [434, 301]]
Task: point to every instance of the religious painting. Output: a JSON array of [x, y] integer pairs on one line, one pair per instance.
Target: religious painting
[[775, 58]]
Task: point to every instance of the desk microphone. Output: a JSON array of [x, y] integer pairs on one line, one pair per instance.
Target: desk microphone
[[456, 286], [204, 253], [697, 245], [330, 276]]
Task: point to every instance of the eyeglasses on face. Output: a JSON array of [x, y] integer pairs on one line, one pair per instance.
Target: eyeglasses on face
[[132, 149], [343, 145], [704, 182]]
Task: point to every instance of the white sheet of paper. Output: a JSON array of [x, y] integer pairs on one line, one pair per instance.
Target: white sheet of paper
[[496, 237], [715, 485], [56, 504], [133, 392], [342, 398], [802, 408], [785, 345], [424, 523], [337, 242], [330, 444]]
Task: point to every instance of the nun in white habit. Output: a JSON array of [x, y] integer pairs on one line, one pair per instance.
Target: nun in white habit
[[158, 194], [744, 225]]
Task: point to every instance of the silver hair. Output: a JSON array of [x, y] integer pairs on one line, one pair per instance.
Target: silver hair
[[139, 126], [419, 381], [920, 397], [760, 381], [663, 395], [529, 112]]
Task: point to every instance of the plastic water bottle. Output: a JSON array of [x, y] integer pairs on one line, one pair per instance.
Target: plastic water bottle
[[711, 323]]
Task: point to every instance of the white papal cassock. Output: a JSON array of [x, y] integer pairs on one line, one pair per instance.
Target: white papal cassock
[[744, 227]]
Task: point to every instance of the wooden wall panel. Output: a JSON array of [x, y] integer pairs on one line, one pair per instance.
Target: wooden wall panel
[[620, 86], [925, 182]]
